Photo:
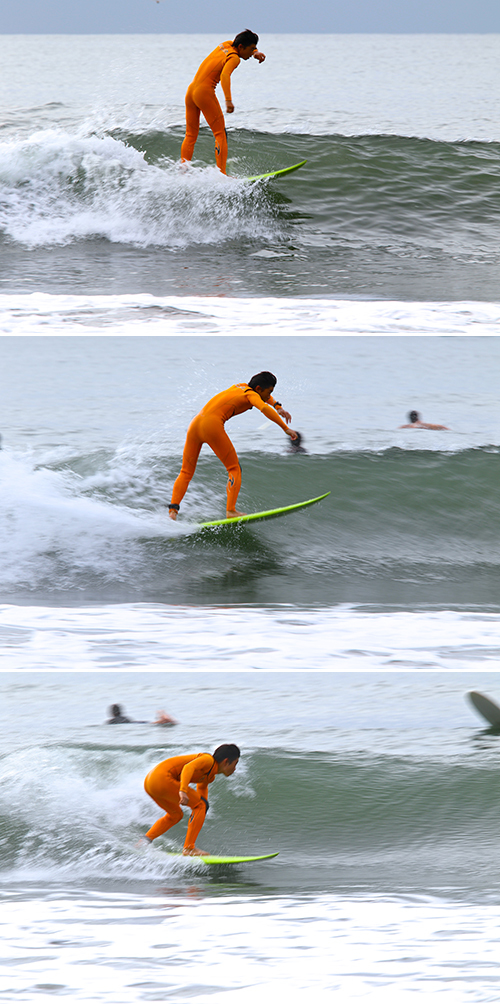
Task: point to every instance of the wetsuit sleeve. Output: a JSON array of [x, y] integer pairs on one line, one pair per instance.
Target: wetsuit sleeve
[[203, 763], [274, 402], [273, 415], [266, 409], [225, 78]]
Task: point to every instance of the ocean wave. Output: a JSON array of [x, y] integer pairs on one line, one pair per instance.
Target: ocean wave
[[355, 191], [351, 814], [398, 524], [56, 188]]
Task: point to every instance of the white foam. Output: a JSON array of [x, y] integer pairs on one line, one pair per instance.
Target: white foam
[[216, 950], [157, 637], [56, 187], [211, 315], [43, 514]]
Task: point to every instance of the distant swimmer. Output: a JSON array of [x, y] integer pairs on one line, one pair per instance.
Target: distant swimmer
[[168, 784], [200, 97], [208, 427], [118, 718], [414, 422]]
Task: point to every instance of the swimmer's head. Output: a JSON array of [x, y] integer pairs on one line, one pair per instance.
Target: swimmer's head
[[413, 416], [114, 710]]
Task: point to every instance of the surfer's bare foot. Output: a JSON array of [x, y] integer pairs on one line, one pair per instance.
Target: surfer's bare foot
[[233, 513], [193, 852], [172, 513]]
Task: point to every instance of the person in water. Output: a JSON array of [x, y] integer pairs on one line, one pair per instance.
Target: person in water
[[169, 785], [414, 422], [208, 427], [200, 97], [118, 718]]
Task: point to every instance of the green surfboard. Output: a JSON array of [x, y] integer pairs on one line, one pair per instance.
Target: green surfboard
[[216, 859], [253, 517], [276, 174]]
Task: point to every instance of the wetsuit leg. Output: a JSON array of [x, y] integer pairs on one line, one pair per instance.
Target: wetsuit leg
[[192, 126], [204, 97], [218, 440], [165, 792], [208, 429], [192, 447], [196, 820]]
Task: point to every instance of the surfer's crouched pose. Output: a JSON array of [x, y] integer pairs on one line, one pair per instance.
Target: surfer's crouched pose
[[208, 427], [168, 785], [200, 96]]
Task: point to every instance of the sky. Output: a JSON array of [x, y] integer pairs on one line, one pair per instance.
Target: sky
[[228, 17]]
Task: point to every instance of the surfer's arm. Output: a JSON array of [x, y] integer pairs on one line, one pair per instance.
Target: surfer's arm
[[225, 80], [280, 409], [203, 763], [259, 56], [269, 411]]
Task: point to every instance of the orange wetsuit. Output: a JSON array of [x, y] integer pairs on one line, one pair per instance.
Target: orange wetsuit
[[208, 427], [200, 97], [168, 778]]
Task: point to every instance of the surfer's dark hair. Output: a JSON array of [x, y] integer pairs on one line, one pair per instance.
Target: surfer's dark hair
[[227, 752], [263, 380], [115, 710], [245, 38], [413, 416]]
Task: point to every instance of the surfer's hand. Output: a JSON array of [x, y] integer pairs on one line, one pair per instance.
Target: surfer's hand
[[284, 414], [229, 107], [183, 798], [293, 435], [259, 55]]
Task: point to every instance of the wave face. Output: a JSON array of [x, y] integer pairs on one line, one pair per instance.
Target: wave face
[[370, 214], [127, 187], [378, 819], [399, 528]]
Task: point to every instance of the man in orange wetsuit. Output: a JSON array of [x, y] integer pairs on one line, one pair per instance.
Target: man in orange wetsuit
[[208, 427], [200, 97], [168, 784]]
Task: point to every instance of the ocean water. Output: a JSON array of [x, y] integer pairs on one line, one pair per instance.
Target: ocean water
[[398, 200], [335, 647]]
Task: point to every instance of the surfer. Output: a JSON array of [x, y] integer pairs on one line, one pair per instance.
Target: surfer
[[168, 784], [200, 97], [414, 422], [208, 427]]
